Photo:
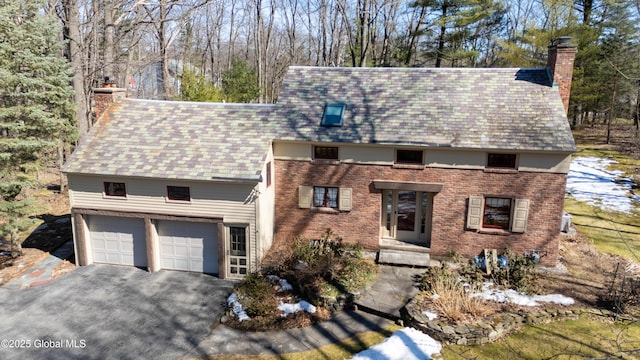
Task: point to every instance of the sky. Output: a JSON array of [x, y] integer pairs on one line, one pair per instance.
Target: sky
[[590, 181]]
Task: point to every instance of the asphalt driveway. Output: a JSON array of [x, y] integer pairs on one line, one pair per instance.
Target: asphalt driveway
[[111, 312]]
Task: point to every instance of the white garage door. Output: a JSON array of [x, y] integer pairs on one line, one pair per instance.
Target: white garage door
[[118, 240], [188, 246]]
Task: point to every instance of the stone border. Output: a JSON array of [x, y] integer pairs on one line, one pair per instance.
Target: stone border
[[483, 331]]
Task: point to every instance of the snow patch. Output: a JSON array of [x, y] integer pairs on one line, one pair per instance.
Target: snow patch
[[512, 296], [238, 310], [403, 344], [431, 315], [283, 283], [589, 181], [294, 308]]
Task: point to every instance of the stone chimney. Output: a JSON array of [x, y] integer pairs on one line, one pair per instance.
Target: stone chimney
[[562, 54], [104, 96]]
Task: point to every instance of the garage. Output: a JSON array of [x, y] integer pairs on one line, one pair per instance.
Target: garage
[[188, 246], [118, 240]]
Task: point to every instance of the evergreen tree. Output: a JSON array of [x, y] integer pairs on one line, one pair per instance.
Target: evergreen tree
[[240, 84], [195, 87], [529, 47], [456, 27], [36, 111], [618, 63]]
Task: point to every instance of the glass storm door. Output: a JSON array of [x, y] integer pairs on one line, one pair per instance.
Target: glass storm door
[[407, 215]]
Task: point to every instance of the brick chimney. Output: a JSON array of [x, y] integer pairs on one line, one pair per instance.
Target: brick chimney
[[562, 54], [105, 96]]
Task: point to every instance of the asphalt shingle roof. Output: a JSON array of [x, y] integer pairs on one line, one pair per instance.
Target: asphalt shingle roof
[[456, 107], [459, 108], [176, 140]]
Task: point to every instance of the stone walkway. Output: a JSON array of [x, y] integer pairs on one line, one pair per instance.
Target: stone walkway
[[394, 288], [41, 273]]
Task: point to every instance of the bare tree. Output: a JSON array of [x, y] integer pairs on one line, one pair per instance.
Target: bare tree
[[71, 30]]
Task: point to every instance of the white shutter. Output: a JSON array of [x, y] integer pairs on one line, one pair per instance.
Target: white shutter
[[305, 196], [520, 215], [344, 199], [474, 213]]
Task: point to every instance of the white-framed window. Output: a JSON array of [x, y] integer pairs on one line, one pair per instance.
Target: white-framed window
[[328, 197], [115, 189], [178, 193], [325, 196], [497, 213]]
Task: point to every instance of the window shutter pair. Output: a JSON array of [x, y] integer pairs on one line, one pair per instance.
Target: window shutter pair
[[305, 198], [475, 212]]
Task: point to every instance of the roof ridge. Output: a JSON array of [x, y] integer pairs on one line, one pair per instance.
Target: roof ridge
[[204, 103]]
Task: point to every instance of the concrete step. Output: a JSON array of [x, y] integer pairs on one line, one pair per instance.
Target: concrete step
[[404, 257]]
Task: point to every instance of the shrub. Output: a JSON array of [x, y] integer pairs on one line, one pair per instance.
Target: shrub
[[311, 251], [317, 269], [449, 296], [257, 295], [519, 275], [354, 273], [623, 295]]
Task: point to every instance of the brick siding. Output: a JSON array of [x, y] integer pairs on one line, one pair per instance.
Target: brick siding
[[544, 190], [104, 97]]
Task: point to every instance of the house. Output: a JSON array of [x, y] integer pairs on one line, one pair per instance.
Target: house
[[411, 163]]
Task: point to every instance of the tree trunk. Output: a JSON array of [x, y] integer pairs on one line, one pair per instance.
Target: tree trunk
[[164, 79], [611, 111], [636, 116], [414, 34], [74, 53], [577, 117], [443, 30], [16, 245], [109, 30]]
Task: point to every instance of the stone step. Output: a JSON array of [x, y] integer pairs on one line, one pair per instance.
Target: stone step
[[403, 257]]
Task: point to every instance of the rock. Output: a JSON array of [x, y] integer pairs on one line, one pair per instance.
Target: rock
[[448, 330]]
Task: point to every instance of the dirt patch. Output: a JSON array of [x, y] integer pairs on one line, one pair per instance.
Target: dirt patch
[[63, 268], [52, 232], [622, 138], [591, 274]]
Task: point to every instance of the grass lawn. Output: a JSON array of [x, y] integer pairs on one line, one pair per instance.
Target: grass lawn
[[587, 337], [611, 232]]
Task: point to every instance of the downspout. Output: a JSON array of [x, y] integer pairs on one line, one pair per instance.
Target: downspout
[[256, 232]]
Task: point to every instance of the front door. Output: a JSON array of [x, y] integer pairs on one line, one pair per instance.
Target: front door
[[407, 216]]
